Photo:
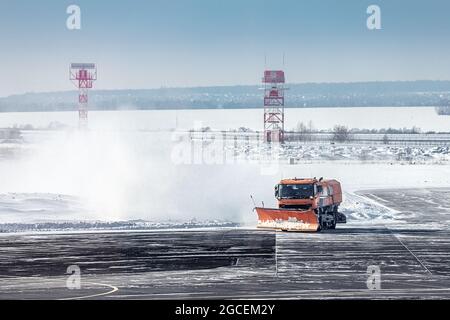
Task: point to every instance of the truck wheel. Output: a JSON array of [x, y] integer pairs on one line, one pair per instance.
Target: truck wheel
[[333, 224], [320, 228]]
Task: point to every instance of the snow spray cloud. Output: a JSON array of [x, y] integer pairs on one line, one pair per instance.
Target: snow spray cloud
[[123, 175], [219, 174], [94, 166]]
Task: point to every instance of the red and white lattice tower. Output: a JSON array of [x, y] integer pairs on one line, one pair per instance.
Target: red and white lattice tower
[[83, 75], [274, 105]]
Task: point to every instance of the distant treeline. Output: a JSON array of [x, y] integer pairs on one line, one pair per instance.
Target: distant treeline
[[361, 94], [310, 128], [10, 134]]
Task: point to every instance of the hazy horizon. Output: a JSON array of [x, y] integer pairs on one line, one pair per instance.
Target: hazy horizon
[[152, 44], [229, 85]]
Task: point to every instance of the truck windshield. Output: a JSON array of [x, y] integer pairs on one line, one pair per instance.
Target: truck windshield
[[296, 191]]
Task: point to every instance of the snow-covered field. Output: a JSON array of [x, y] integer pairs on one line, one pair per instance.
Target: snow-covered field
[[223, 119], [114, 176], [348, 152]]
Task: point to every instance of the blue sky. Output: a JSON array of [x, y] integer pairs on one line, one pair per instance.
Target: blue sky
[[154, 43]]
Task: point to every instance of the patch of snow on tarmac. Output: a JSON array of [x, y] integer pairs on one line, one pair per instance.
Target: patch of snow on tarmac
[[46, 212], [34, 207], [361, 209]]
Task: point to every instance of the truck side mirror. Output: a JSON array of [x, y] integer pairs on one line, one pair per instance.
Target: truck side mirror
[[276, 191]]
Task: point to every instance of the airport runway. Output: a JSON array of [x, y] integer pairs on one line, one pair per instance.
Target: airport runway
[[243, 263]]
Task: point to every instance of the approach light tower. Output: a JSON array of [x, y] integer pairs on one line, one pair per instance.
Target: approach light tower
[[274, 81], [82, 76]]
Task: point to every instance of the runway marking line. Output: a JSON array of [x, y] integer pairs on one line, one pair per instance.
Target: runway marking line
[[366, 196], [113, 289], [412, 253], [397, 291], [394, 235], [378, 198]]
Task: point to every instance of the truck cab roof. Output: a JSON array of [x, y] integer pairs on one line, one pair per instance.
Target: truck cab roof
[[299, 181]]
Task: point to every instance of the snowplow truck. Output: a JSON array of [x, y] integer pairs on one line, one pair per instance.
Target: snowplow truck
[[304, 205]]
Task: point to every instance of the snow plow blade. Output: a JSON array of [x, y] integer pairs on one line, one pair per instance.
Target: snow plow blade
[[287, 219]]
